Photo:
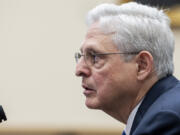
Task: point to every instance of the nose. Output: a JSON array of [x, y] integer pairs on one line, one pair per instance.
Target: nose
[[82, 69]]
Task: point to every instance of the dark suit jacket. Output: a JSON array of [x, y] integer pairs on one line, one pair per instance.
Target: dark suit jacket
[[159, 113]]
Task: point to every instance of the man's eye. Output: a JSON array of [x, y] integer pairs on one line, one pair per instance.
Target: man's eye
[[96, 58]]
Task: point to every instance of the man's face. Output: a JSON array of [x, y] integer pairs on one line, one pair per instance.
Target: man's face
[[109, 82]]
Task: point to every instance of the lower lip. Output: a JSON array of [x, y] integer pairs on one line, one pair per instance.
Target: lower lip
[[88, 92]]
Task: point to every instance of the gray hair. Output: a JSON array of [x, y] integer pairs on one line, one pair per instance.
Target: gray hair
[[137, 27]]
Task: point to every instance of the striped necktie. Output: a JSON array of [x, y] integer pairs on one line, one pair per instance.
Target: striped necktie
[[123, 133]]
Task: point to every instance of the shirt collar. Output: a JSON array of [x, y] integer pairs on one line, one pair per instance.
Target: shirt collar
[[131, 119]]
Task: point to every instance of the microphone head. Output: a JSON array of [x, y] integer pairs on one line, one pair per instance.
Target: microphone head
[[2, 115]]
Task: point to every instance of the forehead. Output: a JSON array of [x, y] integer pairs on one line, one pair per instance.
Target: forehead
[[97, 40]]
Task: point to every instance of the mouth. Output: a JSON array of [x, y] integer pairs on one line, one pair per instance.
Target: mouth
[[88, 90]]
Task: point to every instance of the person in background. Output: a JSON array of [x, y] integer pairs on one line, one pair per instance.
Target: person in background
[[126, 65], [160, 3]]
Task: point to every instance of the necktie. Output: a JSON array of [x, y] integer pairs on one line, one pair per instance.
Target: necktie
[[123, 133]]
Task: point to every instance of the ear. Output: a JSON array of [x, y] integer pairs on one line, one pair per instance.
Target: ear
[[144, 61]]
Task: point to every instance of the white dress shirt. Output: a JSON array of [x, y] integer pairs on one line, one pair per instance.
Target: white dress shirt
[[131, 119]]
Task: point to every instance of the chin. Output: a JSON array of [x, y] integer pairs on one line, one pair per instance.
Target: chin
[[92, 105]]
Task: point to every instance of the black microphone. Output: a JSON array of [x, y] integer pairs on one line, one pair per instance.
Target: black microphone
[[2, 115]]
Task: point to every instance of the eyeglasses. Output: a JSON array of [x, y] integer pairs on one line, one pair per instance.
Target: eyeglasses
[[92, 58]]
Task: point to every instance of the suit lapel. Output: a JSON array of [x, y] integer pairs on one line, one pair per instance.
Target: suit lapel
[[158, 89]]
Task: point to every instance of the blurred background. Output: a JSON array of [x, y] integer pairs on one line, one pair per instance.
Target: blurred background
[[38, 89]]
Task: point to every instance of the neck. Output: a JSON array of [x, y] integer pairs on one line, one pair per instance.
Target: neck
[[145, 86]]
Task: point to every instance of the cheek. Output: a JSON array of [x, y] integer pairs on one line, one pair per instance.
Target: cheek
[[101, 78], [113, 82], [108, 90], [104, 83]]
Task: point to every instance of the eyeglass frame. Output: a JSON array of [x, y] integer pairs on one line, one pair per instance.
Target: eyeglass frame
[[78, 55]]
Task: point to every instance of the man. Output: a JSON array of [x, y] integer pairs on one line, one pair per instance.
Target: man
[[126, 65]]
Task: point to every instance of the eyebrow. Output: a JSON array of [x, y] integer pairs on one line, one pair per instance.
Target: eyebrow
[[90, 49]]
